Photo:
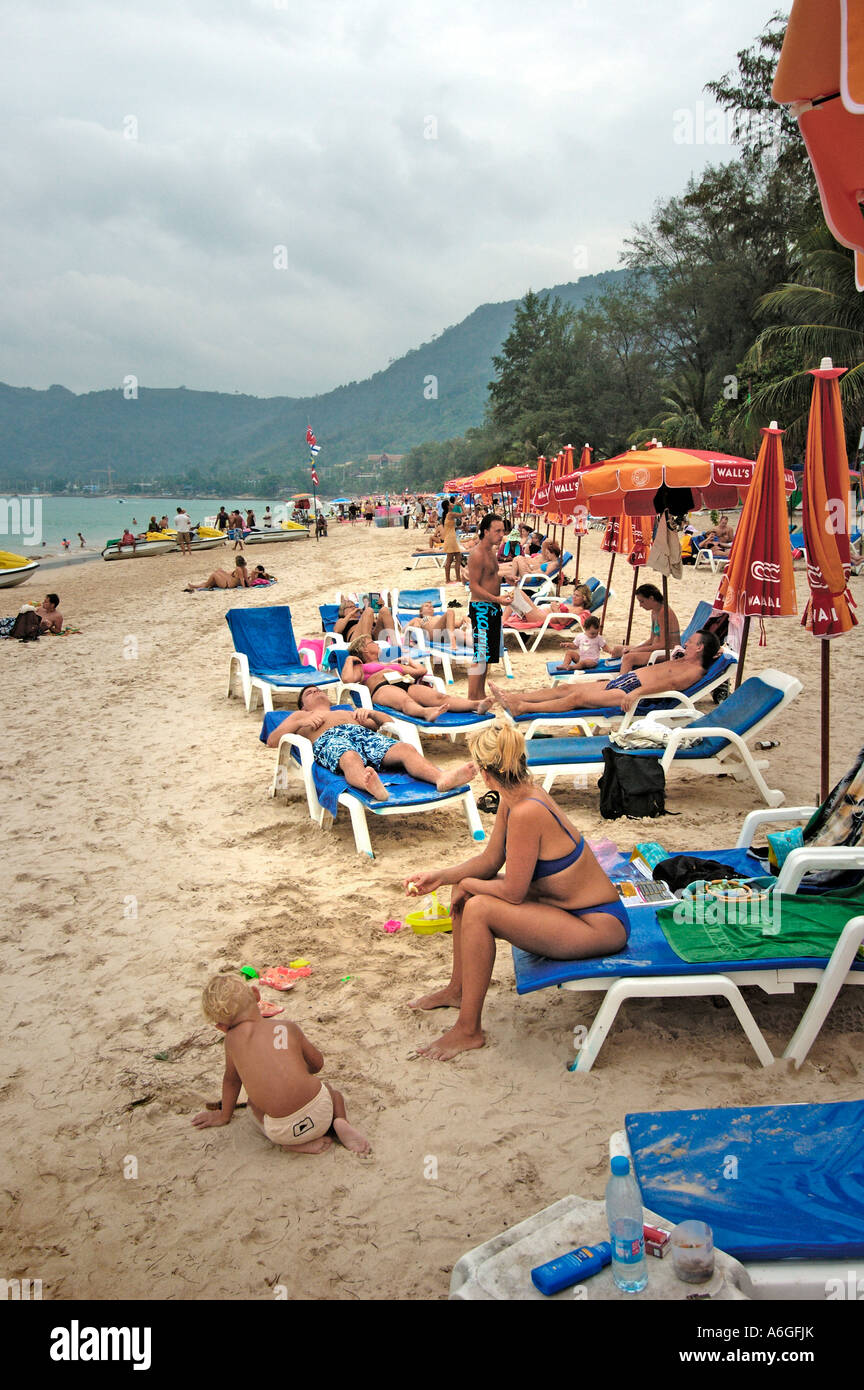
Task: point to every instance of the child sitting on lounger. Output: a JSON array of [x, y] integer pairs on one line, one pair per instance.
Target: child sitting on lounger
[[278, 1065], [583, 654]]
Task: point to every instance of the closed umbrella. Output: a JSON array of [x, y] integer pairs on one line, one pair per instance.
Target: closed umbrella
[[825, 505], [625, 535], [758, 581]]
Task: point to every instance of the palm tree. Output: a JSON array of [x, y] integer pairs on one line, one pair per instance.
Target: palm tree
[[678, 424], [821, 315]]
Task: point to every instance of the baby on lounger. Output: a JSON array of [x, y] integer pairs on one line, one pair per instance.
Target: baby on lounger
[[278, 1065]]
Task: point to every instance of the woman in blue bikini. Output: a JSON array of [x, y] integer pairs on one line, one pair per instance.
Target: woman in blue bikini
[[552, 897]]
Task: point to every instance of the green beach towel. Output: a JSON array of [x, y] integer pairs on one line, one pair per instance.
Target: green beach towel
[[701, 931]]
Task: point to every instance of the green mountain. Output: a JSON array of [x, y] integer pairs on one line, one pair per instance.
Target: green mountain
[[205, 440]]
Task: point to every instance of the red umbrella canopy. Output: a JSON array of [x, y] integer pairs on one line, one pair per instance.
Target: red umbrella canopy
[[825, 493], [629, 482], [758, 580]]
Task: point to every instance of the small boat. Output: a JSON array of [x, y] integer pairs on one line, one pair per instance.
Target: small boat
[[115, 550], [285, 531], [14, 569]]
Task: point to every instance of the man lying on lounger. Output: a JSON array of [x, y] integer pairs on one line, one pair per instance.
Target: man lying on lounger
[[621, 692], [348, 741]]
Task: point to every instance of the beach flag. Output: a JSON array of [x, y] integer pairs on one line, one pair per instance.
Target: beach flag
[[310, 438], [315, 479]]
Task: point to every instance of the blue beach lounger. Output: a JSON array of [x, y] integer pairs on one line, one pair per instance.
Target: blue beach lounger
[[327, 791], [722, 750], [265, 656], [781, 1186], [683, 702]]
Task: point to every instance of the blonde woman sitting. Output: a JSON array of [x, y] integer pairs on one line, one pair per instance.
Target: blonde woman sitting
[[552, 897], [400, 685]]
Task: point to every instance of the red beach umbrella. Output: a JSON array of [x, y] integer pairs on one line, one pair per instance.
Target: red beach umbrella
[[825, 503], [759, 581]]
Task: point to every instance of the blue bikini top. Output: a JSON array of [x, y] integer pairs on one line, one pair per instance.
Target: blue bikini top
[[544, 868]]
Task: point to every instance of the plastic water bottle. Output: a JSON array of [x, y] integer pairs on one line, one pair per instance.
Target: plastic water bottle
[[624, 1216]]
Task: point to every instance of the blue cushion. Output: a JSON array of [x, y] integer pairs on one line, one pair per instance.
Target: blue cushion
[[646, 953], [265, 636], [773, 1182]]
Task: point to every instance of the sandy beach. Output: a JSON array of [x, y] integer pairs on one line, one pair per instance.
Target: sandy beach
[[145, 855]]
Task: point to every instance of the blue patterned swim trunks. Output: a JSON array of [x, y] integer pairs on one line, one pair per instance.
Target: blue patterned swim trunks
[[351, 738], [628, 682]]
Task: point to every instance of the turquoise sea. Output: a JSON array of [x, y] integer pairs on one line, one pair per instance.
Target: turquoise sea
[[26, 521]]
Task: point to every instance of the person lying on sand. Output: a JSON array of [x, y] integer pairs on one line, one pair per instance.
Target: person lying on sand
[[278, 1065], [621, 692], [552, 898], [348, 741], [400, 684], [221, 579]]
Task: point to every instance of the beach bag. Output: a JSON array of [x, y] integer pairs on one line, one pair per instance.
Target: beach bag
[[27, 626], [682, 869], [631, 786]]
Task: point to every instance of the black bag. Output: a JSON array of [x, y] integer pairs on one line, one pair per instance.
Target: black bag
[[682, 869], [27, 626], [631, 786]]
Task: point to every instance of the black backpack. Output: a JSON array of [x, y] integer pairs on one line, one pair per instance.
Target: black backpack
[[631, 786]]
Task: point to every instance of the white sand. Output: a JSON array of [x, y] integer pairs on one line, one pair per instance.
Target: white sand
[[132, 778]]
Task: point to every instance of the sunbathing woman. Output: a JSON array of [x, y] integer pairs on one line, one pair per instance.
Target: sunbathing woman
[[436, 625], [547, 563], [552, 897], [532, 612], [353, 620], [221, 579], [620, 692], [400, 684]]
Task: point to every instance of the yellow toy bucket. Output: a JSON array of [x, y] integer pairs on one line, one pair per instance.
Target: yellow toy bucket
[[431, 917]]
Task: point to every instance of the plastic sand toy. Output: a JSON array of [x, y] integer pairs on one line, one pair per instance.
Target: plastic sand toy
[[431, 917]]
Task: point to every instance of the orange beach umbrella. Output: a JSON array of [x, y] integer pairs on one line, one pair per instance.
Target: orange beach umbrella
[[629, 482], [821, 76], [759, 581], [825, 503]]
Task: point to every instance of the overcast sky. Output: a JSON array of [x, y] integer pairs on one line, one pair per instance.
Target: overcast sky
[[279, 197]]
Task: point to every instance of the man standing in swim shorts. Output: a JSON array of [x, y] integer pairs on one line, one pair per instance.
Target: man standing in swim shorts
[[485, 608]]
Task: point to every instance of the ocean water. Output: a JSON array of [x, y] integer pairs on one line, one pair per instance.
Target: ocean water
[[26, 521]]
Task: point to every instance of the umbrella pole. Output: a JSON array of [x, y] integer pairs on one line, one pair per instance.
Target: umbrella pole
[[825, 785], [666, 613], [632, 604], [745, 633], [578, 551], [608, 585]]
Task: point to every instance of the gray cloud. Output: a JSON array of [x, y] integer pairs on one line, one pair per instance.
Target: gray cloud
[[306, 127]]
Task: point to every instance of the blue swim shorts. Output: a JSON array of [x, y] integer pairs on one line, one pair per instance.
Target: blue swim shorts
[[351, 738]]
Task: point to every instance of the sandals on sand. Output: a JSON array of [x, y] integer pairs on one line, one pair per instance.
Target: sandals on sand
[[489, 802]]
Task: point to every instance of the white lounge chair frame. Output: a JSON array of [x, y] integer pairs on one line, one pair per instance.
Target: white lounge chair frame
[[356, 808], [829, 979], [726, 763]]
